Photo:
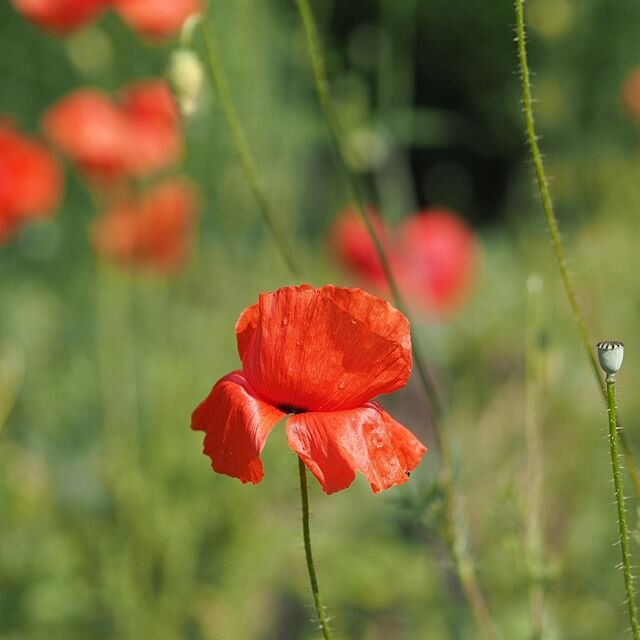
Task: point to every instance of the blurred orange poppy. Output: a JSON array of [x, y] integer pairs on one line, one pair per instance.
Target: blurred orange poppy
[[320, 355], [30, 180], [153, 231]]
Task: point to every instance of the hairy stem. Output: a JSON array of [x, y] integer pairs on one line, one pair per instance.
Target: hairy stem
[[622, 516], [241, 146], [464, 567], [552, 224], [306, 534]]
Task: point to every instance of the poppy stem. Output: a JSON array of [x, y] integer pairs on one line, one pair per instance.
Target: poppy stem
[[322, 88], [552, 224], [241, 146], [306, 533], [462, 561], [622, 516]]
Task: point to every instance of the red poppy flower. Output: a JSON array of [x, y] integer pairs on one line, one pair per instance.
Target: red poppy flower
[[355, 248], [320, 355], [439, 258], [153, 231], [157, 18], [155, 137], [30, 180], [433, 257], [60, 16], [630, 94], [92, 131], [109, 140]]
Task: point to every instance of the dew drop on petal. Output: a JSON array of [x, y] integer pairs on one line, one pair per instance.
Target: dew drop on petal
[[299, 342], [342, 384], [285, 322]]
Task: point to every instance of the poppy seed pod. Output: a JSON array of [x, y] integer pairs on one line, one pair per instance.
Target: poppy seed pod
[[610, 355]]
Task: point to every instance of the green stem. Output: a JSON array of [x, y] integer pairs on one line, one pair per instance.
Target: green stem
[[464, 567], [317, 600], [622, 516], [241, 146], [552, 224]]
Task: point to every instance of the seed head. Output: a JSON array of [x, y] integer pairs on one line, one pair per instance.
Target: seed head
[[610, 355]]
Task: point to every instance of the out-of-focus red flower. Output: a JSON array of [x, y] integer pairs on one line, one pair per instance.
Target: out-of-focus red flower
[[92, 131], [107, 140], [157, 18], [30, 180], [320, 355], [153, 231], [439, 259], [630, 94], [61, 16], [155, 137], [433, 256], [355, 248]]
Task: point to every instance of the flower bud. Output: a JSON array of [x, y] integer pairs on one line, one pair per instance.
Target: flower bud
[[186, 78], [610, 355]]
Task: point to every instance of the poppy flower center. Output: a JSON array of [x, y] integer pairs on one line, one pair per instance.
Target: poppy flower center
[[288, 408]]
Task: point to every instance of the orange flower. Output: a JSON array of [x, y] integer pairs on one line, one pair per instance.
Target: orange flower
[[154, 231], [30, 180], [107, 140], [157, 18], [320, 355], [60, 16]]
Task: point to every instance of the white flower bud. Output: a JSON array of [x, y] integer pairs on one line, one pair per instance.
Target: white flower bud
[[186, 78]]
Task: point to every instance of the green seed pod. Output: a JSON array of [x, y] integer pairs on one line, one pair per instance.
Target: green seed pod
[[610, 355]]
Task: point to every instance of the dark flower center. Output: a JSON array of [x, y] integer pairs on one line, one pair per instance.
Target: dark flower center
[[288, 408]]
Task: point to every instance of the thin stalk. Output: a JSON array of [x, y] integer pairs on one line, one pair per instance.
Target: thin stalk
[[534, 467], [241, 146], [552, 224], [306, 534], [459, 552], [622, 516]]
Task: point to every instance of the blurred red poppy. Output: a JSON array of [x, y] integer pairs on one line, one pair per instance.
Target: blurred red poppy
[[355, 248], [30, 180], [320, 355], [439, 259], [61, 16], [155, 137], [107, 140], [153, 231], [92, 131], [157, 18], [630, 94], [433, 257]]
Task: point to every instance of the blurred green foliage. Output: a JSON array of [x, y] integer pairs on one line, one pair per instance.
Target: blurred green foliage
[[112, 524]]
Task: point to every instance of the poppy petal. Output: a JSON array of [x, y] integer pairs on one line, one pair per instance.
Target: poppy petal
[[237, 425], [335, 444], [246, 327], [324, 349]]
